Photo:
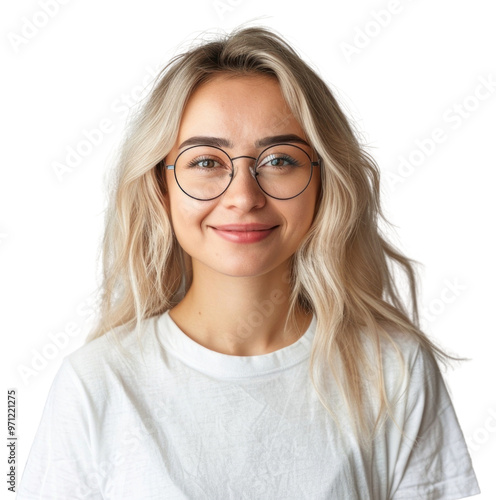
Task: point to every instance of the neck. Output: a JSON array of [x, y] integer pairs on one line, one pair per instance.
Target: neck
[[240, 316]]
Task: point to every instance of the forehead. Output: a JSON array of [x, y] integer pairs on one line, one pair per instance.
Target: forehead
[[239, 108]]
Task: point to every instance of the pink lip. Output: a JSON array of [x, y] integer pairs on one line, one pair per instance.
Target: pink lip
[[244, 227], [244, 233]]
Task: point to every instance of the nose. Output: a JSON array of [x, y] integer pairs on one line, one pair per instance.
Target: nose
[[244, 190]]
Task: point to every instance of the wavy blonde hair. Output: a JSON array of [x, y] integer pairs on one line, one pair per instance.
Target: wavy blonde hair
[[344, 269]]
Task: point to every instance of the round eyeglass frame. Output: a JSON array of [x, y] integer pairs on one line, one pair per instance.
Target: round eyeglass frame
[[253, 171]]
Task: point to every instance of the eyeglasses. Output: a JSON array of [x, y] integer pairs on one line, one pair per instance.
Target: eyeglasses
[[283, 171]]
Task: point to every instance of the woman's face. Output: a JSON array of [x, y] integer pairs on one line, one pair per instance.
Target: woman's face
[[240, 111]]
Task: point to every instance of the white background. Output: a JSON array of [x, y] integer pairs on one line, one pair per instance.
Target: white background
[[416, 73]]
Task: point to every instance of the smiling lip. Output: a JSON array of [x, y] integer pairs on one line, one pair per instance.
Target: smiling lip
[[244, 227], [244, 233]]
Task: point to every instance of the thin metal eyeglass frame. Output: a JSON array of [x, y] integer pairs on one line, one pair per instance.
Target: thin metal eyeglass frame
[[253, 171]]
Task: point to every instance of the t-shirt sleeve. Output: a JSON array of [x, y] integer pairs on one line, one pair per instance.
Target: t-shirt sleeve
[[60, 463], [433, 461]]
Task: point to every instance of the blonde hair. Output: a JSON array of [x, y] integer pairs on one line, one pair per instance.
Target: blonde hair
[[343, 271]]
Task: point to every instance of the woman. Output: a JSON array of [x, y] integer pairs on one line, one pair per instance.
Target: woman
[[252, 343]]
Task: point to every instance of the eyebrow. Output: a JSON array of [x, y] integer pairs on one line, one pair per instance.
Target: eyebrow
[[224, 143]]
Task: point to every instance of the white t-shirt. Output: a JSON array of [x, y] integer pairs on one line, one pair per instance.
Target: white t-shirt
[[186, 422]]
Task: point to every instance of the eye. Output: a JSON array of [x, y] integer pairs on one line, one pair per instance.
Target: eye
[[206, 163], [278, 161]]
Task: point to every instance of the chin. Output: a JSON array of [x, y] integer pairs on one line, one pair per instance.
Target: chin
[[241, 272], [242, 269]]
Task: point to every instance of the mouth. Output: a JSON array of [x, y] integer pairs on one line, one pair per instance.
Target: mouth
[[249, 233], [244, 227]]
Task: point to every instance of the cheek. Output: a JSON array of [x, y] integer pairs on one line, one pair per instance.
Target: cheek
[[304, 210], [301, 221], [299, 218], [187, 215]]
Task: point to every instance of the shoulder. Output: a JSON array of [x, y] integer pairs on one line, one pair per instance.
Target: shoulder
[[399, 350], [419, 359], [410, 369], [429, 451], [113, 356]]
